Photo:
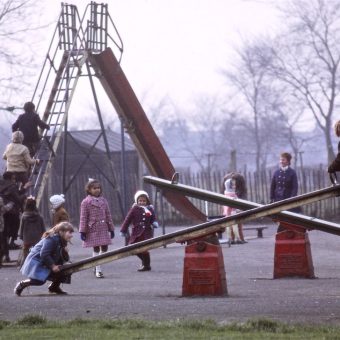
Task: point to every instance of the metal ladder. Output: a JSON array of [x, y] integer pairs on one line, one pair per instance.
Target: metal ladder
[[69, 48]]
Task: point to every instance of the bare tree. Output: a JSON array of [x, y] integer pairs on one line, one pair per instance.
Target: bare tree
[[251, 78], [307, 59], [197, 134], [18, 34]]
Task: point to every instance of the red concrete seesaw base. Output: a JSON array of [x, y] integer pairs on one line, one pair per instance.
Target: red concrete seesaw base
[[204, 272], [293, 257]]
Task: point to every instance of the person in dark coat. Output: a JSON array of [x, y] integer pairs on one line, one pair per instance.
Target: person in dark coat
[[46, 258], [143, 219], [284, 182], [2, 227], [10, 193], [3, 239], [28, 124], [32, 227], [335, 165]]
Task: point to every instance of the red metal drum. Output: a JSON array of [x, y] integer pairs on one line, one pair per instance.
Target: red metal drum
[[293, 257], [204, 272]]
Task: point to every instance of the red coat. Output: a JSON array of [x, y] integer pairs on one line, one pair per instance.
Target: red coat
[[95, 221], [141, 220]]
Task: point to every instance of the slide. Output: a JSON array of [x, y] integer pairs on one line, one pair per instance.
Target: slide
[[139, 128]]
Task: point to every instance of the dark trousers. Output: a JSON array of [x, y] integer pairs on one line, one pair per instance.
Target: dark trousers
[[12, 223], [145, 257], [3, 244]]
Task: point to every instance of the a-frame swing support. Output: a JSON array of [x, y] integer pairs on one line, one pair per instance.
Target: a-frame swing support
[[79, 48], [70, 46]]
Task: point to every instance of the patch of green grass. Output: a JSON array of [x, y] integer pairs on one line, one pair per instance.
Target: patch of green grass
[[32, 320], [3, 324], [37, 327]]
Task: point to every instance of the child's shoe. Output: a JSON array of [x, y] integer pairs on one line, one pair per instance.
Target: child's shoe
[[144, 269], [99, 275]]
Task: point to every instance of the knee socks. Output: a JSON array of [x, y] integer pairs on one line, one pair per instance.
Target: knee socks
[[98, 268], [235, 231]]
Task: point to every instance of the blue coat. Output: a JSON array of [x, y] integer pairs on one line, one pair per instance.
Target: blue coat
[[43, 255], [284, 185]]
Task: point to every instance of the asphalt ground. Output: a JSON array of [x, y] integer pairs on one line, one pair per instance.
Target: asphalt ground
[[157, 295]]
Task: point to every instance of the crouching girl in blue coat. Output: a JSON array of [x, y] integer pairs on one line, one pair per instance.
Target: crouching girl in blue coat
[[45, 259]]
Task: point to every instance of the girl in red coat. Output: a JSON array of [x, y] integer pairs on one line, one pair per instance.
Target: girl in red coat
[[143, 219], [96, 226]]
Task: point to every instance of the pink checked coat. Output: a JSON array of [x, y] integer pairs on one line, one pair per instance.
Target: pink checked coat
[[95, 221], [141, 223]]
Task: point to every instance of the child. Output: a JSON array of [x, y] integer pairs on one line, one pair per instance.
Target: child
[[28, 124], [18, 158], [11, 195], [31, 227], [143, 219], [59, 213], [241, 192], [230, 186], [96, 227], [2, 228], [3, 239], [335, 165], [45, 259]]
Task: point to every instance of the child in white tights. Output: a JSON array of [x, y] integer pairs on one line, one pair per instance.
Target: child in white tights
[[229, 192]]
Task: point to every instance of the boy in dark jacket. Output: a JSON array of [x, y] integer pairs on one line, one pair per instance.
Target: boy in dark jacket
[[28, 124], [335, 165]]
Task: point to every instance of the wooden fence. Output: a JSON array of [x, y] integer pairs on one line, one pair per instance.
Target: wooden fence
[[258, 185], [258, 190]]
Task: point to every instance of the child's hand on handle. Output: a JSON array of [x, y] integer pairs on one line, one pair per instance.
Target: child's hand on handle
[[55, 268]]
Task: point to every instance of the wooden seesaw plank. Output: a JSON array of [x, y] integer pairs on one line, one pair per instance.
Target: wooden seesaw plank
[[284, 216], [203, 229]]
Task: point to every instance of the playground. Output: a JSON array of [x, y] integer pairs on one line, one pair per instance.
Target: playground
[[157, 295], [251, 290]]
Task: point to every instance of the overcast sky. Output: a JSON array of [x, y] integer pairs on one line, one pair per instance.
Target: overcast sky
[[176, 48], [172, 48]]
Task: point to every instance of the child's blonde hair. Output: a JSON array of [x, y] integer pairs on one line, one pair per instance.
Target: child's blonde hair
[[337, 128], [58, 228]]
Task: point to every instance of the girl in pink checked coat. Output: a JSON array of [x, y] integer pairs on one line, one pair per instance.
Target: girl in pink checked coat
[[96, 227]]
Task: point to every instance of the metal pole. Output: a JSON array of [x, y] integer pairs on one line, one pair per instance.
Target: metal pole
[[104, 134], [64, 156], [123, 166], [162, 214], [285, 216]]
